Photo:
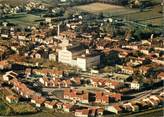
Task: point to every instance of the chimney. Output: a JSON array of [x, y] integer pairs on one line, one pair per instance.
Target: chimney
[[58, 30]]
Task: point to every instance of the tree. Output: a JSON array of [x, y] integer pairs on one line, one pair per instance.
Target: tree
[[161, 53], [68, 14], [151, 50], [100, 15]]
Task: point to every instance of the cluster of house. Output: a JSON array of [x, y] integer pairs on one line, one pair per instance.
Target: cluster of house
[[9, 9], [45, 72], [91, 97], [36, 98], [55, 82], [104, 82], [135, 106]]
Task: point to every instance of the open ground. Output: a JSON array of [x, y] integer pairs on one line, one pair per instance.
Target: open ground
[[150, 15]]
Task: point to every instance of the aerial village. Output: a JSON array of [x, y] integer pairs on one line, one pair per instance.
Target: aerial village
[[74, 66]]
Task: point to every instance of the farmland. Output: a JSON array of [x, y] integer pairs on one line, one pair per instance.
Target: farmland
[[23, 19], [101, 7], [151, 15]]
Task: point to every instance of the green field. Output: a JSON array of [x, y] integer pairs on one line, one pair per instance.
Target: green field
[[152, 15], [23, 19]]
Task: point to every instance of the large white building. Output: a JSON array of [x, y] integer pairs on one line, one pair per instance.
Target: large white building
[[78, 56]]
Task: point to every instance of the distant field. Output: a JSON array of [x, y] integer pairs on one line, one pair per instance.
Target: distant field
[[101, 7], [23, 19], [150, 15]]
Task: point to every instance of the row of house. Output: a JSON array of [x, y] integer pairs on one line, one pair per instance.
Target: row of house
[[94, 97], [38, 100], [55, 82], [89, 112], [45, 72], [135, 106], [103, 82], [22, 89]]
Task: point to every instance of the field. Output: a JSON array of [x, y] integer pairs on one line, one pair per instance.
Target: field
[[23, 19], [101, 7], [151, 15]]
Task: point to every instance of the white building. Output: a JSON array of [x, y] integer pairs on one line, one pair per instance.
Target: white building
[[87, 61], [136, 85], [68, 55], [78, 56], [52, 57]]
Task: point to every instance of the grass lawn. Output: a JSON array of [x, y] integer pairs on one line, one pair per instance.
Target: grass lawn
[[23, 108], [23, 19], [10, 109], [4, 109], [148, 16]]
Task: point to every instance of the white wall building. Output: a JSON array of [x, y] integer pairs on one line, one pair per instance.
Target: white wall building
[[78, 56], [136, 85], [86, 62]]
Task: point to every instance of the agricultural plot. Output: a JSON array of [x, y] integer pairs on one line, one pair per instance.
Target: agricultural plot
[[151, 15], [107, 9], [23, 19]]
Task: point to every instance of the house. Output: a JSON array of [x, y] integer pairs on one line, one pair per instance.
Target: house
[[38, 100], [80, 96], [65, 83], [5, 65], [82, 113], [50, 104], [114, 109], [131, 107], [101, 98], [161, 75], [59, 105], [52, 57], [95, 111], [70, 94], [115, 96], [136, 85], [84, 98], [128, 69], [150, 102], [44, 81], [144, 69], [28, 72], [67, 107], [99, 111], [115, 84], [9, 75], [76, 81], [50, 72], [12, 99]]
